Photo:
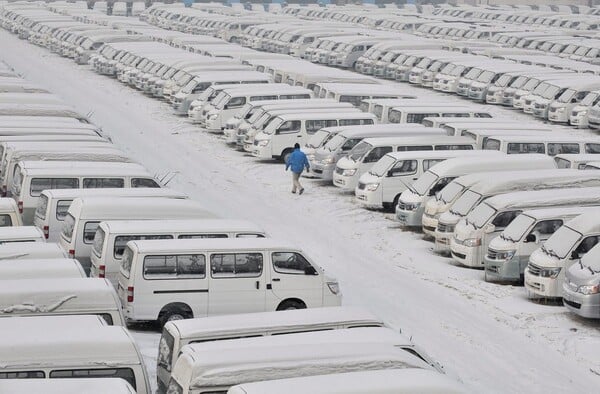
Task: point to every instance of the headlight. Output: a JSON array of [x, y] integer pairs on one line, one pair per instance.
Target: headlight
[[410, 206], [589, 289], [561, 109], [349, 172], [582, 113], [550, 272], [371, 187], [212, 116], [329, 160], [471, 242], [264, 143], [504, 255], [334, 287]]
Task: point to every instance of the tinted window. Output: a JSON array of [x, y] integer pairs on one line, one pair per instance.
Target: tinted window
[[556, 149], [123, 373], [403, 167], [62, 206], [292, 263], [5, 221], [185, 266], [516, 148], [89, 231], [453, 147], [291, 126], [231, 265], [418, 118], [201, 236], [23, 375], [143, 182], [377, 153], [98, 183], [592, 148], [503, 219], [40, 184], [312, 126], [414, 148], [121, 242], [355, 122]]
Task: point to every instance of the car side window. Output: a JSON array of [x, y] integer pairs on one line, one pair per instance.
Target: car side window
[[236, 265], [377, 153], [586, 244], [292, 263], [503, 219], [403, 167]]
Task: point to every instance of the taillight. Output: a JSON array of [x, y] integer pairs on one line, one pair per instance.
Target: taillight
[[46, 232], [3, 190], [130, 294], [20, 206], [102, 273], [71, 253]]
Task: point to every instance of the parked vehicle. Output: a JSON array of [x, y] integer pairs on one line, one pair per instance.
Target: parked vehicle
[[156, 278], [473, 234], [574, 160], [549, 145], [21, 234], [31, 250], [508, 254], [411, 205], [67, 386], [459, 126], [9, 213], [112, 236], [417, 114], [178, 333], [581, 287], [368, 152], [389, 381], [85, 214], [545, 273], [40, 268]]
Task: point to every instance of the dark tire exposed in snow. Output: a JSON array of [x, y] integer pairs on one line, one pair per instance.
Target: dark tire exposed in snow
[[174, 312], [291, 304], [285, 154]]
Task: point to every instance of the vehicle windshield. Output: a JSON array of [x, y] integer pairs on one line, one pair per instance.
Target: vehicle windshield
[[518, 83], [589, 99], [448, 68], [256, 115], [273, 126], [566, 96], [206, 94], [474, 72], [541, 88], [486, 76], [189, 86], [380, 168], [68, 227], [503, 81], [423, 63], [480, 215], [222, 99], [561, 242], [517, 228], [318, 139], [465, 203], [359, 150], [422, 185], [263, 121], [450, 192], [457, 71], [335, 142], [551, 92], [531, 84]]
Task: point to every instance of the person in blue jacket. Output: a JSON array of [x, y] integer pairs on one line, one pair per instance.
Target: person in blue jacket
[[297, 161]]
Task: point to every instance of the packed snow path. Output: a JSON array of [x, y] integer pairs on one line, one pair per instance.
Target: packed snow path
[[490, 336]]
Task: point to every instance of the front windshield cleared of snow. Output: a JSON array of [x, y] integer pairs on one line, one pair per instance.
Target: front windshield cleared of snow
[[480, 215], [380, 168], [465, 203], [450, 192], [517, 228], [422, 185], [561, 242]]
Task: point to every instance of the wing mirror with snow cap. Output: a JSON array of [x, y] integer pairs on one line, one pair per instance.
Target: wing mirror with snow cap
[[531, 238], [489, 228]]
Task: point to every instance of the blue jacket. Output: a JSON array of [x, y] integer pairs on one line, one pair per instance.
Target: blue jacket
[[297, 161]]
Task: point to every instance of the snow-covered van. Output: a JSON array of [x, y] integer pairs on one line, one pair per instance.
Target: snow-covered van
[[416, 114], [67, 386], [21, 234], [178, 333], [40, 268], [575, 160], [31, 250], [545, 144], [581, 287], [9, 213]]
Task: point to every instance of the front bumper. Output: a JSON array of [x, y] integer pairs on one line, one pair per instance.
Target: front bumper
[[505, 270], [543, 287], [581, 304], [410, 218], [466, 255]]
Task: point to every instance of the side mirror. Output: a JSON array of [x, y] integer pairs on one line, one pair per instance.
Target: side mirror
[[310, 270], [574, 255], [390, 173], [531, 238], [489, 228]]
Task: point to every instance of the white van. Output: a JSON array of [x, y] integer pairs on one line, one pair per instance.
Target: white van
[[368, 152], [178, 333], [412, 202], [60, 296], [545, 144], [31, 250], [199, 371], [54, 204], [85, 214], [323, 163], [506, 182], [581, 286], [508, 254], [66, 386], [87, 349], [395, 172], [417, 114], [112, 236], [167, 280], [473, 234], [480, 136], [21, 234], [40, 268], [9, 213], [278, 138], [458, 127], [382, 107], [545, 273], [575, 160], [387, 381], [29, 183]]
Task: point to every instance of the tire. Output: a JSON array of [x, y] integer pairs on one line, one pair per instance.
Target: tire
[[285, 154], [290, 305], [395, 203], [172, 314]]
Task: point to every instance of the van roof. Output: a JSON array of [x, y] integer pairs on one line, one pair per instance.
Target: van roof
[[428, 140], [437, 154], [377, 127], [229, 367], [362, 88], [27, 250], [266, 88], [585, 223], [437, 108], [259, 322], [182, 225], [87, 171], [578, 157], [19, 232], [355, 113], [480, 164], [548, 197], [116, 192], [230, 75], [27, 296], [183, 245], [546, 138], [404, 380], [67, 386], [547, 213], [111, 346], [7, 204], [41, 268], [67, 165], [131, 207]]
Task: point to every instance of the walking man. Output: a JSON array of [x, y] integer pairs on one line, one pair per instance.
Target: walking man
[[297, 161]]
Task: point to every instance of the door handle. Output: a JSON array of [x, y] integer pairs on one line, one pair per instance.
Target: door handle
[[269, 287], [276, 279], [257, 285]]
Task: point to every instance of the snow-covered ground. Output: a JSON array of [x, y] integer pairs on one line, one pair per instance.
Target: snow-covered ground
[[489, 335]]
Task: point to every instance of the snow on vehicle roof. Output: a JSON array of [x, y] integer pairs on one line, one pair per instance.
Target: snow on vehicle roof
[[181, 225], [554, 212], [42, 296], [229, 367], [546, 138], [578, 157], [108, 346], [67, 386], [73, 170], [585, 223], [8, 204], [489, 162], [289, 320], [547, 197], [426, 140], [107, 206], [115, 192], [46, 109], [339, 113], [29, 250], [440, 154], [214, 244], [8, 234], [41, 268], [387, 381]]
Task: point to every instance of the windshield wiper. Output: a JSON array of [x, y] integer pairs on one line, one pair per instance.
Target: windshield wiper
[[550, 252]]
